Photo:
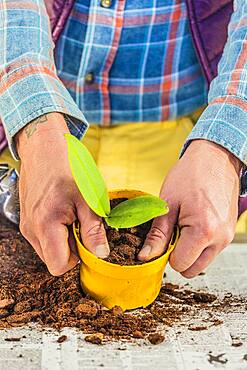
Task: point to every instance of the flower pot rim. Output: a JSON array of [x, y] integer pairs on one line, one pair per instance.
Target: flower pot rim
[[125, 193]]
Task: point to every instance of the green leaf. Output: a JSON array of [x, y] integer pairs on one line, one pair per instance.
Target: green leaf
[[136, 211], [87, 177]]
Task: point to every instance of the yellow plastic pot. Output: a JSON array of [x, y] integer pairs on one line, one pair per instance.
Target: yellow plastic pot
[[126, 286]]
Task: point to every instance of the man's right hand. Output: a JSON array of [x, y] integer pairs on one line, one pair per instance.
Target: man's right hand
[[49, 198]]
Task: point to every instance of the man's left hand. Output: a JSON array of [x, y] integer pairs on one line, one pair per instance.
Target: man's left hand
[[202, 192]]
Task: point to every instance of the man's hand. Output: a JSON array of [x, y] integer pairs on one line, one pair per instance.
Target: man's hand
[[202, 193], [49, 198]]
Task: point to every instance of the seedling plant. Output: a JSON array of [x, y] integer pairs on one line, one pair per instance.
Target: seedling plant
[[129, 213]]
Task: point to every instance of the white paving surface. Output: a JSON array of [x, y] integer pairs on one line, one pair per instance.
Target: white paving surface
[[183, 349]]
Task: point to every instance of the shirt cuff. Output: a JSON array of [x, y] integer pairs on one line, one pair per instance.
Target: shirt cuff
[[224, 122], [29, 93]]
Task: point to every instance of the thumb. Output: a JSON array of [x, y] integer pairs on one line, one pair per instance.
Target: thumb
[[93, 232], [159, 235], [55, 248]]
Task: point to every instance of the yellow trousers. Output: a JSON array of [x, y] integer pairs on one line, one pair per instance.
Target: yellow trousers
[[136, 155]]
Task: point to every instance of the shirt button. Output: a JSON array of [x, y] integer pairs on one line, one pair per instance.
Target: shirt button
[[106, 3], [89, 78]]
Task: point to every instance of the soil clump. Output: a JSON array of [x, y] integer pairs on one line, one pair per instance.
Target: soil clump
[[62, 338], [125, 244]]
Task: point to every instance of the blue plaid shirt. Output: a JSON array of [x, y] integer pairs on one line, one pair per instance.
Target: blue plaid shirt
[[132, 61], [143, 69]]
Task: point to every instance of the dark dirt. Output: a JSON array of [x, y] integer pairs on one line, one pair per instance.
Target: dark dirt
[[62, 339], [236, 342], [125, 244], [28, 293], [156, 338], [96, 338], [217, 359], [12, 339], [197, 328]]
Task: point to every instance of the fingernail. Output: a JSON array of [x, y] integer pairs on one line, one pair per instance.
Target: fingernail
[[145, 252], [102, 251]]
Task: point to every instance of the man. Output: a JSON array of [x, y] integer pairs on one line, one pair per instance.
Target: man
[[125, 63]]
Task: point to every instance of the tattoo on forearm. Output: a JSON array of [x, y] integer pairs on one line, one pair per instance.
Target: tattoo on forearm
[[32, 126]]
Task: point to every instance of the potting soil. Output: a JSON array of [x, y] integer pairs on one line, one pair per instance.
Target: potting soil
[[125, 244], [28, 293]]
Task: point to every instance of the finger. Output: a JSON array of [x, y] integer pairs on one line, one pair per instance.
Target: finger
[[189, 247], [159, 236], [32, 240], [56, 251], [37, 247], [72, 242], [206, 257], [93, 232]]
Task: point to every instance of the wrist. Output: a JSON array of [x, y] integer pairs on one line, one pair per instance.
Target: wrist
[[218, 151], [39, 131]]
